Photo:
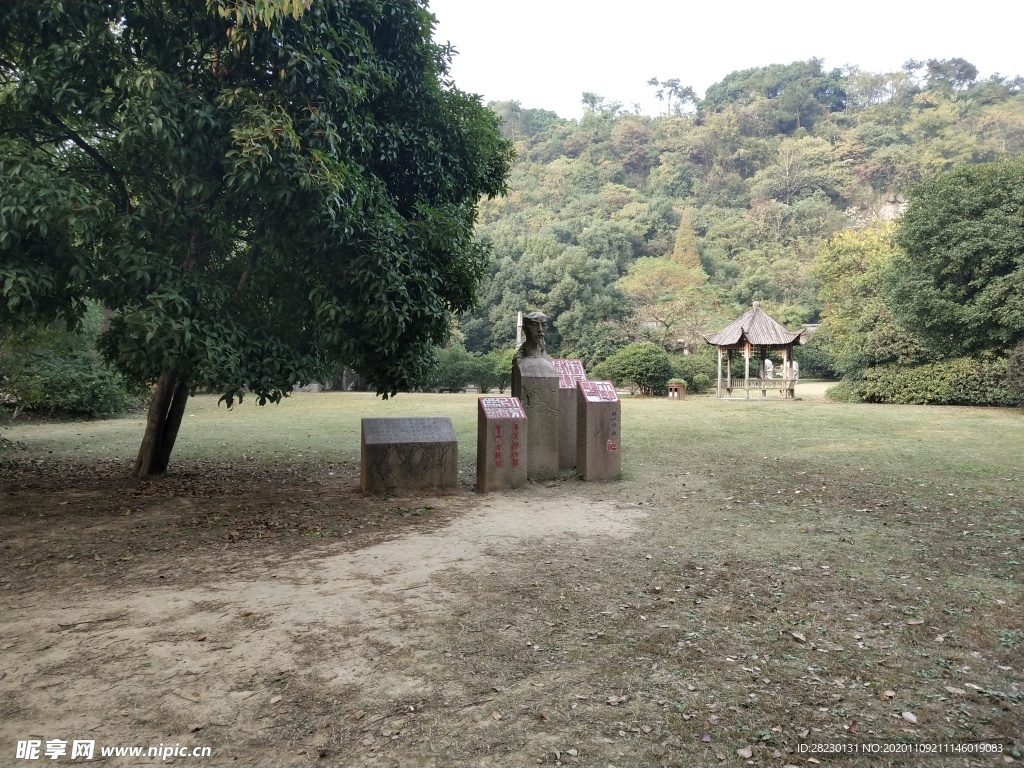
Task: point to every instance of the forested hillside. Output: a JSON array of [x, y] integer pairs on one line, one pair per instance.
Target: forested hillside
[[625, 227]]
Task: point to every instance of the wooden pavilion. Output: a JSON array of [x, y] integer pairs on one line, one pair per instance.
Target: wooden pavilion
[[756, 334]]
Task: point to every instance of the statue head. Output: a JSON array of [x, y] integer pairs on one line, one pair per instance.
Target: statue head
[[535, 325]]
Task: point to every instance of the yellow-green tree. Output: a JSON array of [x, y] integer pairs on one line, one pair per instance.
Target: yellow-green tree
[[685, 250], [670, 302], [858, 328]]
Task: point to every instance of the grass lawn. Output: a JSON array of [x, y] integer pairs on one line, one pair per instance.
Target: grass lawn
[[787, 574]]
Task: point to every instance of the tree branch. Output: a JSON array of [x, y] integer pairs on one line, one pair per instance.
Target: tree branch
[[250, 264], [101, 161]]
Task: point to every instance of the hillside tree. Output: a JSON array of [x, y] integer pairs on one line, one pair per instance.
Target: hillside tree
[[959, 278]]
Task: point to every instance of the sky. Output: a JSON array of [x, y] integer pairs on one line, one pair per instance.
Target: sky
[[546, 53]]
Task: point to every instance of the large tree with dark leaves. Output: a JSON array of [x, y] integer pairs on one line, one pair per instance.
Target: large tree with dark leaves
[[959, 281], [254, 195]]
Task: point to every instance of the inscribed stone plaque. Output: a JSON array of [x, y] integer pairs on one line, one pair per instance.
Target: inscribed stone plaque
[[408, 454], [598, 431], [501, 438], [570, 373], [535, 383]]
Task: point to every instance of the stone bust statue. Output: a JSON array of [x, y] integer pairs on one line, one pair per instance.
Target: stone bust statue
[[535, 325]]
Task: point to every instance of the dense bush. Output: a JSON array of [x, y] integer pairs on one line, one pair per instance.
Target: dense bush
[[962, 381], [1015, 373], [453, 371], [644, 367], [52, 368], [456, 368], [77, 383], [815, 361], [698, 371]]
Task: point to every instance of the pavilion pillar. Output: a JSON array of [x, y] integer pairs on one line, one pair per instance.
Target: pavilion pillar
[[728, 373], [786, 373], [761, 370], [746, 369], [719, 372]]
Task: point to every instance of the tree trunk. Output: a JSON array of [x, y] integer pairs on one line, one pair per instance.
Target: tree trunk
[[165, 412]]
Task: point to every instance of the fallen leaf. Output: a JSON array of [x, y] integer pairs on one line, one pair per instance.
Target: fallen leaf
[[614, 701], [544, 716], [802, 733], [572, 752], [195, 728], [915, 621], [956, 691], [852, 726], [798, 637], [887, 695], [245, 613], [705, 737], [745, 752], [276, 699], [910, 717], [200, 638], [496, 714], [972, 686], [719, 755], [368, 740]]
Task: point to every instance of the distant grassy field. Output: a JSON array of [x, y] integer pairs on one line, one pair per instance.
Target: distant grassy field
[[806, 572]]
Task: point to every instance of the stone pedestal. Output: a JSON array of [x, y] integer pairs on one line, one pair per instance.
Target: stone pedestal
[[501, 437], [598, 431], [408, 454], [535, 383], [570, 373]]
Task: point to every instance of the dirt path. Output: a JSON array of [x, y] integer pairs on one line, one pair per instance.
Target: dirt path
[[235, 658]]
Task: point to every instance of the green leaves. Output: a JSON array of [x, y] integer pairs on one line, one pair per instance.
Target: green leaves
[[257, 189], [644, 366], [960, 277]]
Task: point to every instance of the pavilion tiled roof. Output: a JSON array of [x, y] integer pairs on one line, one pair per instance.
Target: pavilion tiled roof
[[759, 328]]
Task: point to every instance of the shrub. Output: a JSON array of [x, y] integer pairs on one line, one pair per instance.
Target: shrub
[[815, 360], [453, 370], [701, 383], [644, 367], [698, 371], [503, 368], [961, 381], [1015, 373], [483, 370], [77, 383]]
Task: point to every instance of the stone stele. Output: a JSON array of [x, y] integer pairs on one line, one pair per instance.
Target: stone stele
[[598, 431], [501, 436], [535, 383], [408, 454], [570, 373]]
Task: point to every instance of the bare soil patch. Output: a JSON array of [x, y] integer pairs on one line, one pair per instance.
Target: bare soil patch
[[277, 618]]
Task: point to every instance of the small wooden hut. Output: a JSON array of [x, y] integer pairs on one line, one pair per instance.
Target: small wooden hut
[[756, 334]]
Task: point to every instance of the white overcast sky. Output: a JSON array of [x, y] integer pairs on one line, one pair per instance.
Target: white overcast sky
[[545, 53]]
